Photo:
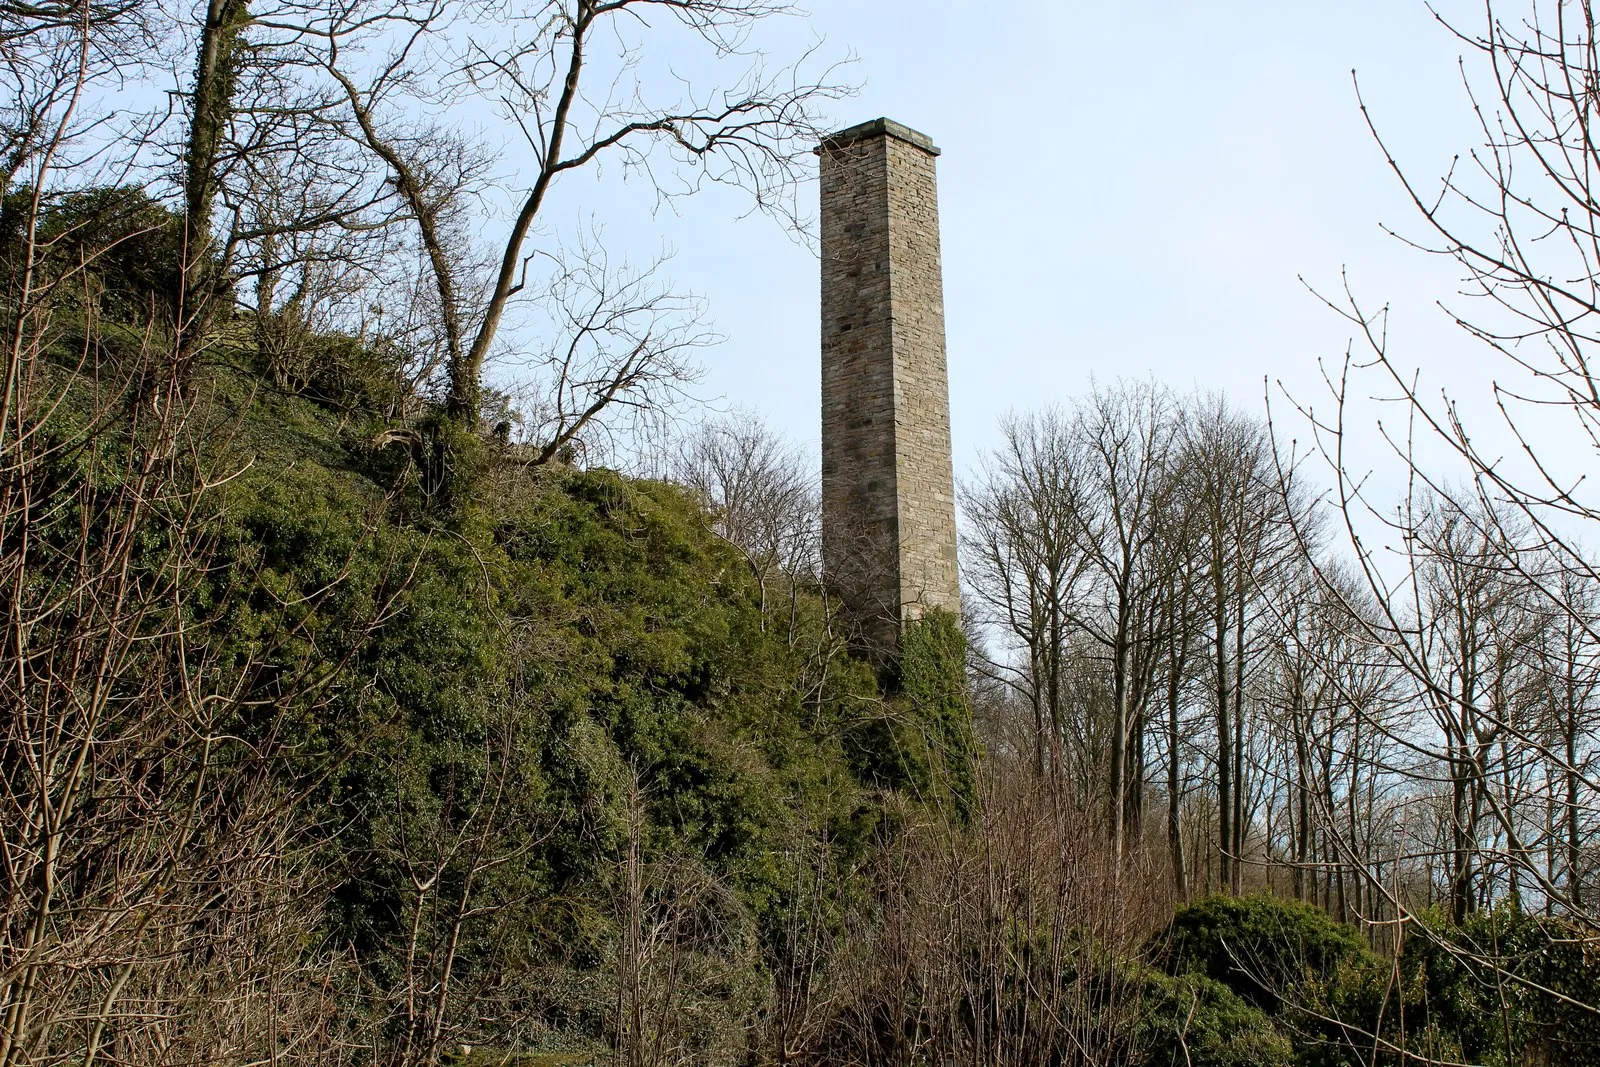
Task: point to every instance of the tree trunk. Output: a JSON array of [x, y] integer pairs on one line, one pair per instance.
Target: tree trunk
[[1574, 825], [1238, 741], [211, 106], [1119, 750], [1302, 760], [1460, 859], [1180, 877], [1224, 733]]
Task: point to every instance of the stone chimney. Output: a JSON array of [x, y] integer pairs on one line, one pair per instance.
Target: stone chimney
[[888, 496]]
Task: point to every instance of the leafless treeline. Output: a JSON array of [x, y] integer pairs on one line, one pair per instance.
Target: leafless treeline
[[1375, 703], [1178, 644]]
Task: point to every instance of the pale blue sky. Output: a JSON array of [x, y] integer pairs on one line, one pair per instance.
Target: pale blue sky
[[1126, 189]]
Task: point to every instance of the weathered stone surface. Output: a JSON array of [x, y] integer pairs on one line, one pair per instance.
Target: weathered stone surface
[[888, 498]]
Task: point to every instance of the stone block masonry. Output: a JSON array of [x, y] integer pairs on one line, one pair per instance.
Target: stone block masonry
[[888, 496]]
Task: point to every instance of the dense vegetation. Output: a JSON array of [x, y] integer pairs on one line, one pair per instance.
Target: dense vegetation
[[558, 767], [486, 715], [352, 709]]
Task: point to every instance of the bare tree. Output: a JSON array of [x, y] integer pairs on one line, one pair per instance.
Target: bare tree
[[1023, 567], [571, 83], [151, 863], [1243, 522], [268, 189], [933, 973], [1475, 591], [683, 937], [763, 499], [1179, 625], [1066, 530], [154, 864], [619, 340], [1128, 437], [1567, 688]]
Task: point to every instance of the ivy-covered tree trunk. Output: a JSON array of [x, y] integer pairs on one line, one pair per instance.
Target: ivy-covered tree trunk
[[211, 102]]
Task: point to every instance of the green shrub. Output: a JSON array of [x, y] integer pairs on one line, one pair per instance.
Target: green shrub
[[1189, 1020], [1258, 946], [127, 242], [1531, 1007], [581, 629], [1312, 977]]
